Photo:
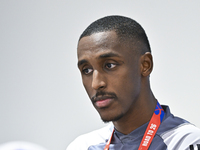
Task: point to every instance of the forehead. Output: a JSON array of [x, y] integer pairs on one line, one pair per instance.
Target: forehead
[[98, 41], [102, 42]]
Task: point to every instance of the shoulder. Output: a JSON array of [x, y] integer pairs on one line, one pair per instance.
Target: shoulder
[[182, 136], [178, 133], [82, 142]]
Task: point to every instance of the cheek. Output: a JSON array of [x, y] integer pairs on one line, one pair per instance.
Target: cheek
[[125, 77], [87, 86], [127, 83]]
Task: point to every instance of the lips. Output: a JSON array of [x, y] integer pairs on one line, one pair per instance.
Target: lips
[[102, 102]]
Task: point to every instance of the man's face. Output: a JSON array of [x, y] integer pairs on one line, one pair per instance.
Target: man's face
[[110, 74]]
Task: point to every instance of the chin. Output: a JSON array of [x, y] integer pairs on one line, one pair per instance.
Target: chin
[[107, 119]]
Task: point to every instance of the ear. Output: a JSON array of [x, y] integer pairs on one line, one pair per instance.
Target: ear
[[146, 64]]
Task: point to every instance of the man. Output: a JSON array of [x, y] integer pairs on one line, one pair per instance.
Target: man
[[115, 61]]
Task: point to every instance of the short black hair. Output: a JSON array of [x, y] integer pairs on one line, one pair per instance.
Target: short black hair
[[125, 28]]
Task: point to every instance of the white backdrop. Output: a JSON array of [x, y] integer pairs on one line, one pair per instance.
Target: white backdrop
[[42, 99]]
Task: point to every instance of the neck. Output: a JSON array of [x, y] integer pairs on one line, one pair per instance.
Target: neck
[[140, 114]]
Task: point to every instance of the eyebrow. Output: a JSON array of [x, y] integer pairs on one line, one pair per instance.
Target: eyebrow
[[107, 55], [82, 62]]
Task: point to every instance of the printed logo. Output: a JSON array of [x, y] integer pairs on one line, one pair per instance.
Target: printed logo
[[159, 111]]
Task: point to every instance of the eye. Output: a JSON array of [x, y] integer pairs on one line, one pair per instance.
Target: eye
[[110, 65], [87, 70]]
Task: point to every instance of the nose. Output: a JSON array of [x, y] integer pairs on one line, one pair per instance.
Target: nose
[[98, 80]]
